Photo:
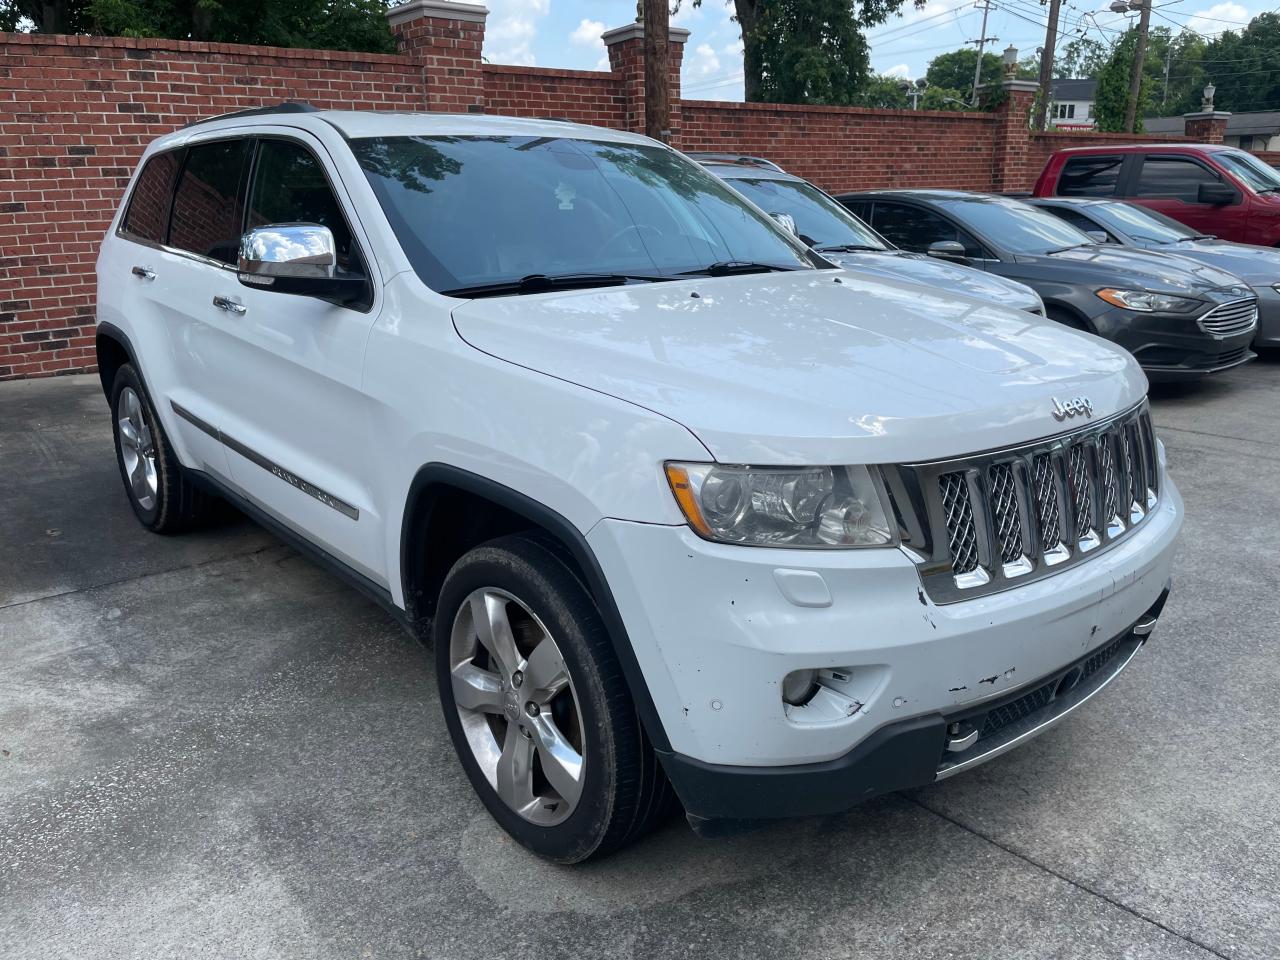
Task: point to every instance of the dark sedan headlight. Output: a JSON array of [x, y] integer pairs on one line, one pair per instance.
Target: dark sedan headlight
[[1144, 301]]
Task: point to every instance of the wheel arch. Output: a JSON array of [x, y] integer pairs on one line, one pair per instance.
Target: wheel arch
[[1074, 316], [113, 349], [452, 509]]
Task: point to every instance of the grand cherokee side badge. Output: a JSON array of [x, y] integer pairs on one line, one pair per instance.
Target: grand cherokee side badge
[[1072, 407]]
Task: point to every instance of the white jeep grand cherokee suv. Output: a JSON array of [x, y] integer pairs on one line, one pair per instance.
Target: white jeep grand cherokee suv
[[687, 512]]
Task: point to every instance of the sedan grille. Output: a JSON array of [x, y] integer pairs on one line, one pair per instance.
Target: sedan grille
[[989, 522], [1227, 320]]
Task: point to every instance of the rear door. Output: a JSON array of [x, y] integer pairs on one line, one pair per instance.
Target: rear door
[[294, 416], [1170, 184]]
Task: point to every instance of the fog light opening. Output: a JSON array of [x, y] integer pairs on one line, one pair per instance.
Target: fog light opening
[[799, 687]]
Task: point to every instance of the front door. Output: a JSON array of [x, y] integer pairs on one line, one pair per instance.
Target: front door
[[1171, 184]]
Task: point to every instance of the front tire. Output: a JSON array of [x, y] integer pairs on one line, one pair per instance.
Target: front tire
[[162, 496], [536, 705]]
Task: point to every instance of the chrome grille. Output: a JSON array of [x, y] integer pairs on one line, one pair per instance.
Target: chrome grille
[[963, 542], [1004, 511], [995, 520], [1228, 319]]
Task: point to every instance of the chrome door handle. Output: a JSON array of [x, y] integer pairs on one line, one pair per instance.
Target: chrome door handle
[[229, 305], [146, 273]]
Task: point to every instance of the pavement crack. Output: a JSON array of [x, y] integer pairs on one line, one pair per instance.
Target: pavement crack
[[274, 545], [1077, 884]]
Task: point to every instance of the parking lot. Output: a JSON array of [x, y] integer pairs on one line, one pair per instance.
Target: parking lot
[[212, 748]]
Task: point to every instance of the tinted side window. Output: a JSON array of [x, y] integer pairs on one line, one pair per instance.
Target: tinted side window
[[148, 213], [208, 206], [289, 186], [914, 228], [1172, 177], [1075, 218], [1090, 176], [859, 208]]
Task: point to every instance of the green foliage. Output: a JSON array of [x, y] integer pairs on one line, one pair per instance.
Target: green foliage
[[323, 24], [1244, 66], [954, 70], [945, 98], [885, 93], [1082, 57], [1113, 87]]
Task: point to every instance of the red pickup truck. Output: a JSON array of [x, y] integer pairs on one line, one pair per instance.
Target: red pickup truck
[[1216, 190]]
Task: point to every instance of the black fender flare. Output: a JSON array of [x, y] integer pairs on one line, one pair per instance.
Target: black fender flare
[[447, 475]]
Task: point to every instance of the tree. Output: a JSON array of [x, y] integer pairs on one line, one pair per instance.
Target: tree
[[808, 51], [954, 70], [946, 98], [324, 24], [1082, 57], [1113, 87]]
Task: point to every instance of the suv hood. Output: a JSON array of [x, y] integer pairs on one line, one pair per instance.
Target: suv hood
[[1140, 269], [900, 265], [819, 366]]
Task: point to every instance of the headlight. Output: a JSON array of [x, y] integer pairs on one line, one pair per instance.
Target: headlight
[[1147, 302], [782, 506]]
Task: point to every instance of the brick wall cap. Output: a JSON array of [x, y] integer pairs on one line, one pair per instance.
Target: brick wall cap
[[1207, 115], [554, 73], [635, 31], [816, 108], [438, 9]]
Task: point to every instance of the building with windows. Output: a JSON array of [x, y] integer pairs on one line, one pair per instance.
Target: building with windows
[[1255, 130], [1071, 107]]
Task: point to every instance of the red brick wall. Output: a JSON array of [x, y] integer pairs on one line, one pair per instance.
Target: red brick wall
[[845, 148], [585, 96], [76, 113]]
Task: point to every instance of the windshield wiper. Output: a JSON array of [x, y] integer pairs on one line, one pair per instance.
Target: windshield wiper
[[848, 248], [1074, 246], [1198, 236], [727, 268], [542, 282]]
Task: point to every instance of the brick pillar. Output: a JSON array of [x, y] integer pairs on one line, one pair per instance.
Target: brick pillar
[[445, 38], [626, 61], [1013, 136], [1206, 127]]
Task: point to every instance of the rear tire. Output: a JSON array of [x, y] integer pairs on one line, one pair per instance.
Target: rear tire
[[536, 705], [163, 497]]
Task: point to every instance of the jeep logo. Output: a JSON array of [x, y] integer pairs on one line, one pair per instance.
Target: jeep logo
[[1072, 407]]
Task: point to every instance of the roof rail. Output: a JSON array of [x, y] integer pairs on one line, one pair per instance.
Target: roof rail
[[284, 106], [736, 158]]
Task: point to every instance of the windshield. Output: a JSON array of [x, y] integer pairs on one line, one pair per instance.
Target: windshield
[[1250, 169], [819, 219], [1142, 224], [1015, 226], [484, 211]]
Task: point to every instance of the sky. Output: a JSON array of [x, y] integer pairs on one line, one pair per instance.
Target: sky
[[566, 33]]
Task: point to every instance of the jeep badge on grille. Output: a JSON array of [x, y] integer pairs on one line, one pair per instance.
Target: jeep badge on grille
[[1072, 407]]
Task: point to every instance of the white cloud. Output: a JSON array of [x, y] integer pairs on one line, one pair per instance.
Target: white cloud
[[733, 49], [901, 70], [1210, 21], [704, 60], [587, 33], [512, 26]]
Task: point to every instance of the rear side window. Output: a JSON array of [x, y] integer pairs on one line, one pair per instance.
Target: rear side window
[[208, 206], [1175, 178], [1076, 219], [289, 186], [913, 228], [148, 215], [1090, 176]]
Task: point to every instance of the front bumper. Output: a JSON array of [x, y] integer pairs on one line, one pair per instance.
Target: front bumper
[[716, 628], [908, 753], [1173, 347]]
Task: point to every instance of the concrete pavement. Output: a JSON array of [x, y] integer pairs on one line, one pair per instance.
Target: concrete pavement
[[211, 748]]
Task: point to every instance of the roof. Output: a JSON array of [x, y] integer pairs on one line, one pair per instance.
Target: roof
[[357, 124], [739, 159], [934, 195], [1183, 147], [738, 171], [1265, 122], [1073, 89]]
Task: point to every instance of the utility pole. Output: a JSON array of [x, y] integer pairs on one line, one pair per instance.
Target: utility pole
[[983, 39], [1139, 60], [1168, 57], [657, 75], [1046, 65]]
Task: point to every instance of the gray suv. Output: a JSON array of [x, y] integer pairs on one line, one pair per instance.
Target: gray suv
[[1180, 319]]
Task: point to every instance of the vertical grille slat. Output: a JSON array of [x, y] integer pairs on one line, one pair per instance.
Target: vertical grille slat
[[1016, 514], [962, 534]]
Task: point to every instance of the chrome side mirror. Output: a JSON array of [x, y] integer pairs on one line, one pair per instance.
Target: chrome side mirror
[[947, 250], [289, 250], [298, 258], [787, 222]]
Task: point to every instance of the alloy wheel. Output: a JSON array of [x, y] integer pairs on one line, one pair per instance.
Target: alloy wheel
[[137, 449], [518, 707]]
